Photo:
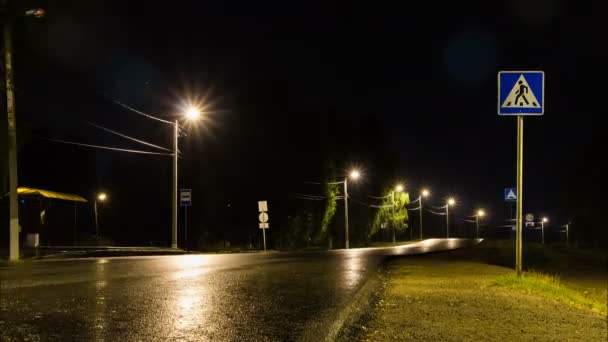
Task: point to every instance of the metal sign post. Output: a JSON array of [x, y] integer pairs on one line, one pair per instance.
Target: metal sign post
[[185, 200], [520, 196], [263, 217], [520, 93]]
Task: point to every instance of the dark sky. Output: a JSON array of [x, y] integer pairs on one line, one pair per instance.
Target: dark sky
[[290, 84]]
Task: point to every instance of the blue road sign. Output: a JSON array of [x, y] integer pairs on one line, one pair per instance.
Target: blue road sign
[[511, 195], [185, 197], [521, 93]]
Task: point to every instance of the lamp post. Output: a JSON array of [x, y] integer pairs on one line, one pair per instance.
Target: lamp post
[[101, 197], [451, 202], [354, 175], [398, 188], [542, 229], [480, 213], [423, 193], [191, 114]]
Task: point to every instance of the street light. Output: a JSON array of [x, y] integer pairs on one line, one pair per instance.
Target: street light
[[192, 113], [101, 197], [451, 202], [354, 175], [480, 213], [424, 193], [398, 188], [542, 228]]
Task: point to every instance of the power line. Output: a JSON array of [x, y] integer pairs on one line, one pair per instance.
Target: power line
[[139, 112], [108, 148], [436, 213], [128, 137]]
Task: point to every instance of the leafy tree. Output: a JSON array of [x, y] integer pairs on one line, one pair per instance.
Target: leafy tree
[[385, 214]]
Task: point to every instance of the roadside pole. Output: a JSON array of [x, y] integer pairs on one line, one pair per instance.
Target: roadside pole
[[393, 221], [264, 237], [263, 218], [346, 212], [186, 228], [519, 206], [12, 141], [520, 93], [174, 186]]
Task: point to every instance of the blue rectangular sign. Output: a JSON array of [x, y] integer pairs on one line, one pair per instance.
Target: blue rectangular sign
[[511, 195], [185, 197], [521, 93]]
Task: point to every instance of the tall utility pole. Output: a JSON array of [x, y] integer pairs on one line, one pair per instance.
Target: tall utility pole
[[12, 138], [346, 212], [421, 209], [174, 200], [393, 221], [447, 221]]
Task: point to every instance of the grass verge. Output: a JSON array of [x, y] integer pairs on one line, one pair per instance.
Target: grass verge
[[550, 286], [474, 295]]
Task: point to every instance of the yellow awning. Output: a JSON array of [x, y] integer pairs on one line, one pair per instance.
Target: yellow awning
[[50, 194]]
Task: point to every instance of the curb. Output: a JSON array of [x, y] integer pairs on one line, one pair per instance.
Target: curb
[[343, 327], [347, 325]]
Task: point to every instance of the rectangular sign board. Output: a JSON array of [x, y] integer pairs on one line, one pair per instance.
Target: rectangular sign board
[[510, 195], [521, 93], [262, 206], [185, 197]]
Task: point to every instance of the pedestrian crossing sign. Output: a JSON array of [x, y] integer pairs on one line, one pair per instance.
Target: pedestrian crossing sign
[[521, 93], [510, 194]]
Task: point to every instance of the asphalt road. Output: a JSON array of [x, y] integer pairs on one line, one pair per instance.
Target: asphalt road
[[237, 297]]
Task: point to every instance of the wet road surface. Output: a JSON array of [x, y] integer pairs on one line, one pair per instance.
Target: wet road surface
[[237, 297]]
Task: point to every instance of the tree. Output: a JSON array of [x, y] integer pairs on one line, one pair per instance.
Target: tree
[[331, 195], [389, 217]]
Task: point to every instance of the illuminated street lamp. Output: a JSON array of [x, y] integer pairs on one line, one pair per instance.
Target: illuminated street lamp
[[451, 202], [480, 213], [191, 113], [542, 228], [101, 197], [354, 175]]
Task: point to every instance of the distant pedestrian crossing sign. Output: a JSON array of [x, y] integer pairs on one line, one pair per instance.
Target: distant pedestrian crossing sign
[[521, 93], [511, 195]]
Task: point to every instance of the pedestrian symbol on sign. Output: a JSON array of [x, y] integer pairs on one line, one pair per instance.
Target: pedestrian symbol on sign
[[511, 195], [521, 96]]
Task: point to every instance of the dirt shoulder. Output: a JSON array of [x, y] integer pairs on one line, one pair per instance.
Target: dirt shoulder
[[442, 297]]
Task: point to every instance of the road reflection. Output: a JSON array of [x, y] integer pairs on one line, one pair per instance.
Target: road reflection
[[190, 307], [353, 267], [100, 299]]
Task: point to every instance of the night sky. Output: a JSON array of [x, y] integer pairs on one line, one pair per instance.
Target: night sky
[[406, 92]]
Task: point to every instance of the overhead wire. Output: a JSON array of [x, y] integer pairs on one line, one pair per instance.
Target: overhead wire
[[436, 213], [128, 137], [138, 112], [108, 148]]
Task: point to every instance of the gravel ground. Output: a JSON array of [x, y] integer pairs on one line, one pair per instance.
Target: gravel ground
[[440, 299]]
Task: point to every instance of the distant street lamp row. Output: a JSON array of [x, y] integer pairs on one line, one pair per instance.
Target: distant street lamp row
[[424, 193]]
